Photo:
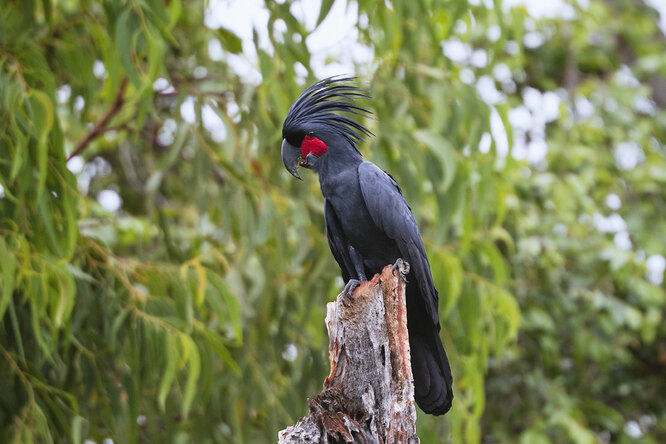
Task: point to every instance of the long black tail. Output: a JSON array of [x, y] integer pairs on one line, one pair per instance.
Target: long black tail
[[432, 373]]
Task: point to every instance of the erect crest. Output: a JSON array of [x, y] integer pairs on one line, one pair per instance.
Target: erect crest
[[320, 103]]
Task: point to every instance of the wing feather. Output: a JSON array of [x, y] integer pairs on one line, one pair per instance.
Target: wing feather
[[337, 241], [390, 212]]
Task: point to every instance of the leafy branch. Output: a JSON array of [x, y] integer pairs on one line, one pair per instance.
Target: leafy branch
[[101, 126]]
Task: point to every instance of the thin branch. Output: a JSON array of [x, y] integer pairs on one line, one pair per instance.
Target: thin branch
[[100, 127]]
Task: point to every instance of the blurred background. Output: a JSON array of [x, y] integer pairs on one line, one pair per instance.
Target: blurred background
[[164, 279]]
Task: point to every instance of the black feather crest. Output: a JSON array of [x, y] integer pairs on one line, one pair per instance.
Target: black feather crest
[[319, 103]]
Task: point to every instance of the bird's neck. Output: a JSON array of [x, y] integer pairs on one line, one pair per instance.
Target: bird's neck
[[336, 166]]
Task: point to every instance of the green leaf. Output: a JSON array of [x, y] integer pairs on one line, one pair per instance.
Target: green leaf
[[230, 41], [231, 303], [125, 37], [7, 275], [191, 350], [534, 437], [42, 121], [222, 351], [443, 149], [169, 375], [324, 10], [77, 429]]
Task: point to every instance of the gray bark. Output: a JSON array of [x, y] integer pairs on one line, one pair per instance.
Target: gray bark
[[369, 394]]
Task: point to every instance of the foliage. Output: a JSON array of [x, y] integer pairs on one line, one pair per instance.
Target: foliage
[[191, 310]]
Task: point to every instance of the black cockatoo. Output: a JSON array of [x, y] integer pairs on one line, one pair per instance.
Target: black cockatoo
[[368, 222]]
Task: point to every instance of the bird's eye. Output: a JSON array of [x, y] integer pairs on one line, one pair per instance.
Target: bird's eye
[[310, 134]]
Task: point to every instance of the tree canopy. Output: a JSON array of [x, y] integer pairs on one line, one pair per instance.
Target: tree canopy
[[164, 279]]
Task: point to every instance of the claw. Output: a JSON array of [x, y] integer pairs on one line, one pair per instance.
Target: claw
[[402, 267], [349, 291]]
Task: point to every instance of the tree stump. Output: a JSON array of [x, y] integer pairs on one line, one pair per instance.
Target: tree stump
[[368, 397]]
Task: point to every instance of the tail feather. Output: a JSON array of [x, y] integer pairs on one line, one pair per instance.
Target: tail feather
[[432, 374]]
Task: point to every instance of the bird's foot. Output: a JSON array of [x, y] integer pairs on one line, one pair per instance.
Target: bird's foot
[[402, 267], [348, 292]]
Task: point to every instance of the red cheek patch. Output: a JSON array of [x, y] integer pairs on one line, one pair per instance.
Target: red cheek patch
[[312, 145]]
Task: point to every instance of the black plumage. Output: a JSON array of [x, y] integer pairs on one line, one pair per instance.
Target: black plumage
[[318, 104], [368, 222]]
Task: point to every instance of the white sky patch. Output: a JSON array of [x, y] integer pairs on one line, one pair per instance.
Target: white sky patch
[[109, 200], [96, 167], [622, 240], [485, 86], [213, 123], [456, 50], [245, 67], [532, 98], [2, 192], [644, 105], [63, 93], [242, 18], [502, 73], [163, 86], [75, 164], [167, 132], [509, 87], [479, 58], [200, 72], [279, 30], [233, 111], [550, 106], [583, 107], [632, 429], [610, 104], [187, 110], [611, 224], [336, 38], [467, 76], [493, 33], [655, 264], [290, 353], [519, 148], [534, 39], [545, 9], [628, 155], [460, 27], [560, 230], [520, 118], [613, 201], [79, 103], [537, 150], [99, 71], [624, 77], [160, 83], [215, 50], [531, 118], [499, 133], [660, 6], [512, 47], [301, 72], [485, 143]]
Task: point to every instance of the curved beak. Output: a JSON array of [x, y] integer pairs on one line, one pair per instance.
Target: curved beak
[[291, 156]]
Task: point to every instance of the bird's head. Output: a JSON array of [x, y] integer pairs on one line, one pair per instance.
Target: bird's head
[[313, 129]]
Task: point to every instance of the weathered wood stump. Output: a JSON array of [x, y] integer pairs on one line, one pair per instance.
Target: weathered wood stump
[[369, 394]]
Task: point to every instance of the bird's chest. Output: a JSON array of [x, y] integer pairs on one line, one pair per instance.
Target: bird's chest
[[359, 229]]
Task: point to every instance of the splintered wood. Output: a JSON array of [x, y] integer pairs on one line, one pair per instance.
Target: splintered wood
[[368, 397]]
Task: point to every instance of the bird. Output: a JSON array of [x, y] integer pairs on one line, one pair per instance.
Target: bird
[[368, 222]]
